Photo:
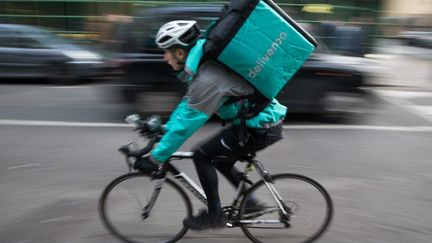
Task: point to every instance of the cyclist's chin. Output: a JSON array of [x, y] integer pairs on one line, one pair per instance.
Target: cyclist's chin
[[177, 67]]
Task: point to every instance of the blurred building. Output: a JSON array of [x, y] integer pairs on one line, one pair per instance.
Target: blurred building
[[405, 15], [95, 19], [71, 16], [76, 19], [407, 7]]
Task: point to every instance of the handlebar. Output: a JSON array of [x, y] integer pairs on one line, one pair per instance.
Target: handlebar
[[139, 153], [150, 128]]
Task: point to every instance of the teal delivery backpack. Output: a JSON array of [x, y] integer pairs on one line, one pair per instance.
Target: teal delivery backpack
[[259, 41]]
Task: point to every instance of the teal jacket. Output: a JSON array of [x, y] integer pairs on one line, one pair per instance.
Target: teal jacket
[[209, 87]]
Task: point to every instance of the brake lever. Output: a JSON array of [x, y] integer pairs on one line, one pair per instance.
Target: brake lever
[[125, 150]]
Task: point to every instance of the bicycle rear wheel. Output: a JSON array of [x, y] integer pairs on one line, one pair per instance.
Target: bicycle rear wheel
[[124, 200], [308, 203]]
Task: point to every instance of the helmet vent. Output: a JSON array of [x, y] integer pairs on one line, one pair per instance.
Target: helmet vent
[[164, 39]]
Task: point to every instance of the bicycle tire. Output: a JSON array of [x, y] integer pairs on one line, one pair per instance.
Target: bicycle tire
[[151, 235], [298, 186]]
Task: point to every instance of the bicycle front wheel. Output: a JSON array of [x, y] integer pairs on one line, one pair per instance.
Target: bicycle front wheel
[[308, 205], [126, 210]]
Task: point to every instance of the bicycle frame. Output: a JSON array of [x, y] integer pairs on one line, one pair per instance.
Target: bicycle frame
[[197, 191]]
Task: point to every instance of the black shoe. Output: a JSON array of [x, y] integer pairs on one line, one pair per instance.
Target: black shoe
[[205, 221], [253, 206]]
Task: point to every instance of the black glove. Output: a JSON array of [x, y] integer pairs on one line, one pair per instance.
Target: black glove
[[146, 165]]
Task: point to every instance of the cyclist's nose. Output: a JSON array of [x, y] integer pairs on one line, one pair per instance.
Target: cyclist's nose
[[166, 56]]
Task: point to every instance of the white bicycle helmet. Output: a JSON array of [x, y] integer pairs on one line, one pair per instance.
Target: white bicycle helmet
[[179, 33]]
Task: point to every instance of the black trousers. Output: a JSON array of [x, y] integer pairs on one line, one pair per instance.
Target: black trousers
[[226, 143]]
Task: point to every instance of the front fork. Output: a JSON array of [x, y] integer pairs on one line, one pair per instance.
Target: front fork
[[157, 188]]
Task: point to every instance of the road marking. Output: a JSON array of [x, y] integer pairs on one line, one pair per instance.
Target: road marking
[[23, 166], [60, 123], [361, 127], [56, 219], [379, 56], [422, 109], [286, 127], [407, 105], [404, 94], [68, 87]]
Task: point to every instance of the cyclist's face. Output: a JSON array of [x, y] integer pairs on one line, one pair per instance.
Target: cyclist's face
[[175, 58]]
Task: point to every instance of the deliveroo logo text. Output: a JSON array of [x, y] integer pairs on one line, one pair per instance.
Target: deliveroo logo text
[[262, 61]]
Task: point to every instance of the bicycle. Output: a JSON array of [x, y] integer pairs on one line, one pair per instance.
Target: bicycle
[[298, 219]]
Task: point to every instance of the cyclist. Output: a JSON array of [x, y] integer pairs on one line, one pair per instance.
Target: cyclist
[[214, 90]]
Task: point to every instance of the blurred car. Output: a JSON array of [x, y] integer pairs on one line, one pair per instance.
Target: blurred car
[[34, 53], [417, 38], [324, 84]]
